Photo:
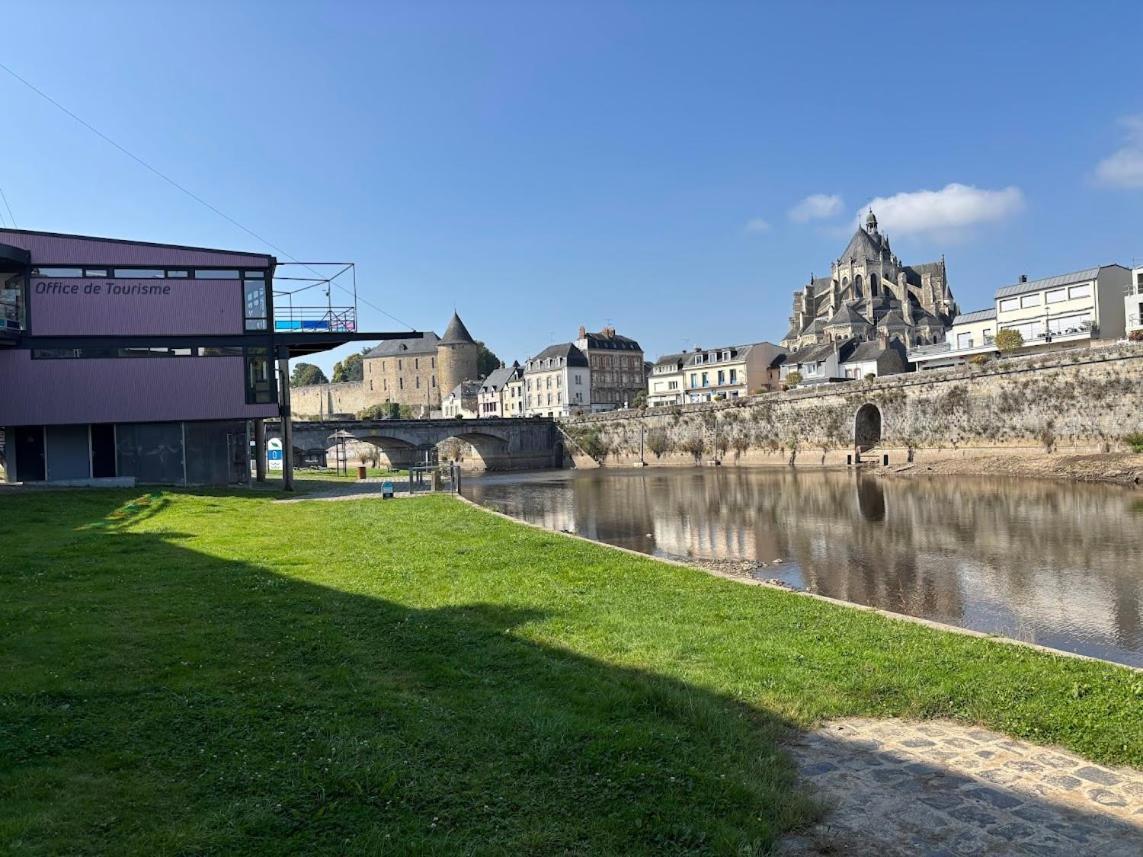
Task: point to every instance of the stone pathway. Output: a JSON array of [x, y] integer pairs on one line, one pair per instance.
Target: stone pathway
[[939, 789]]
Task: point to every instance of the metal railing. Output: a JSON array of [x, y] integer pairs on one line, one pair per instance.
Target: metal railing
[[315, 320]]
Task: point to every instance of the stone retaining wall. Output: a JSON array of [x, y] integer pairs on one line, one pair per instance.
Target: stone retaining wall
[[1085, 400]]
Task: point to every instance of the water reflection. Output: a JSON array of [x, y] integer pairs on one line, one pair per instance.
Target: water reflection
[[1056, 564]]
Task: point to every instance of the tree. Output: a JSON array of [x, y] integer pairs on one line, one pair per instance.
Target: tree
[[486, 361], [1008, 341], [305, 374], [352, 368], [640, 400]]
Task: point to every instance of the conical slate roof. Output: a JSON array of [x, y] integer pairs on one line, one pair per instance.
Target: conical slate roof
[[845, 315], [456, 332]]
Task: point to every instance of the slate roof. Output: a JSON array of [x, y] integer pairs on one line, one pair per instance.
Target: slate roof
[[572, 356], [1049, 282], [846, 315], [976, 315], [412, 346], [465, 390], [456, 332], [866, 351], [615, 342], [670, 359], [894, 319], [862, 246], [497, 378]]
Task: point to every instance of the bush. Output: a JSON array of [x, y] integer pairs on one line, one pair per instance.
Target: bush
[[721, 444], [1135, 441], [658, 442], [696, 446], [979, 359], [870, 376], [793, 379], [1135, 336], [1008, 341]]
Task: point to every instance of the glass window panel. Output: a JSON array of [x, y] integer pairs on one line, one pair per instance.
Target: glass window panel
[[215, 274], [1009, 304], [95, 272], [140, 273], [1083, 291], [57, 272], [176, 273], [1056, 295], [151, 452], [215, 452], [1030, 300]]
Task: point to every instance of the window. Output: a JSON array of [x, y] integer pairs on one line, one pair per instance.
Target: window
[[1056, 295], [705, 379], [694, 379], [733, 376], [57, 272], [259, 377], [145, 273], [1083, 291], [1029, 300], [210, 274], [964, 340], [721, 377], [254, 301], [1009, 304]]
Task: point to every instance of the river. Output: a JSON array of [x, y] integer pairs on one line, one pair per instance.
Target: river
[[1059, 564]]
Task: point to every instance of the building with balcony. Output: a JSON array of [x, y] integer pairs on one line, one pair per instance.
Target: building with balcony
[[666, 382], [557, 382], [616, 362], [1077, 309], [153, 362], [1133, 303], [730, 372]]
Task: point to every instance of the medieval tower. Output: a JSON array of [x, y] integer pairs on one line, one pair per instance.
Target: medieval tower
[[457, 355]]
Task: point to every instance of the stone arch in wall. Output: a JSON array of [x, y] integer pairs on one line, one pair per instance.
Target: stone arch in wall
[[867, 427], [857, 286], [872, 285]]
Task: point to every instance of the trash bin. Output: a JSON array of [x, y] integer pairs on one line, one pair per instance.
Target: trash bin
[[386, 490], [361, 471]]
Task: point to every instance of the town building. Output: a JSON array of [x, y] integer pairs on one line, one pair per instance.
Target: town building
[[881, 356], [729, 372], [557, 382], [496, 393], [514, 398], [1078, 309], [666, 383], [462, 402], [616, 362], [415, 370], [869, 291], [1133, 303], [140, 361]]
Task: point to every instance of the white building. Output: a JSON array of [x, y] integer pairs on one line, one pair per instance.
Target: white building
[[1079, 309], [557, 383], [461, 402], [729, 372], [665, 384], [495, 398], [1133, 303]]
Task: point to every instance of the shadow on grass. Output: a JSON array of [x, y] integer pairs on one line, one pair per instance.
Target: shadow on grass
[[157, 699]]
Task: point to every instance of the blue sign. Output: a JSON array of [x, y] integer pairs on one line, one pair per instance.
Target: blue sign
[[274, 454]]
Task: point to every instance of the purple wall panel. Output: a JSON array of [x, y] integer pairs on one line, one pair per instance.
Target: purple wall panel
[[143, 389], [99, 306], [76, 250]]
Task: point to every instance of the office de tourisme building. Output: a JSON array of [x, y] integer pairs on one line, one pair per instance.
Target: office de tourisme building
[[152, 361]]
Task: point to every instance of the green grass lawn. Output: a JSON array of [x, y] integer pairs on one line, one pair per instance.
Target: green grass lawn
[[220, 674]]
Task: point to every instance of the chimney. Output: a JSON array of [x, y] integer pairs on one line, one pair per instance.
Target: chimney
[[1023, 278], [582, 331]]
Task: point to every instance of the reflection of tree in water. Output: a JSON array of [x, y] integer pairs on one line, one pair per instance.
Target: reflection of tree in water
[[1019, 557]]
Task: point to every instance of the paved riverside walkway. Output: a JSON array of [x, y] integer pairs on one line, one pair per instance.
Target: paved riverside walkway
[[940, 789]]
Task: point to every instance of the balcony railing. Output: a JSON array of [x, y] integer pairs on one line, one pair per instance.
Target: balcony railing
[[315, 320]]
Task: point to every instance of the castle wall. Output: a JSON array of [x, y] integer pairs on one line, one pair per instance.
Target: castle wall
[[457, 362], [1083, 400]]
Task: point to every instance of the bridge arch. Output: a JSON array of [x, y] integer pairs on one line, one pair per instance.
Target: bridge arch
[[867, 427]]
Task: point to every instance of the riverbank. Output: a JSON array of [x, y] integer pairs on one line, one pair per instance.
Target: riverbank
[[1121, 468], [224, 673]]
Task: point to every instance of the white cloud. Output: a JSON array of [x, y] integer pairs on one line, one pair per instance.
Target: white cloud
[[816, 206], [948, 210], [757, 224], [1124, 167]]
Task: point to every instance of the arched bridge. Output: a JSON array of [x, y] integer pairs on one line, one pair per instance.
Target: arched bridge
[[500, 444]]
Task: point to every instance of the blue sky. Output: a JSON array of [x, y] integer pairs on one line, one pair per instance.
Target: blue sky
[[542, 166]]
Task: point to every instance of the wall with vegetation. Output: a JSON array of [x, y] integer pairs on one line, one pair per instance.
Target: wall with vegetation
[[1081, 400]]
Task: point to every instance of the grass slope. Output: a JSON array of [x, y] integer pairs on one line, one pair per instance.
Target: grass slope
[[220, 674]]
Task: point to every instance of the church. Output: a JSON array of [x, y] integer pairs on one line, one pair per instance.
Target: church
[[870, 295]]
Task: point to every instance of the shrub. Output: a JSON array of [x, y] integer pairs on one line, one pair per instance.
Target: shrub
[[658, 442], [870, 376], [1135, 336], [721, 444], [793, 379], [979, 359], [741, 443], [1008, 341], [696, 446], [1048, 437], [1135, 441]]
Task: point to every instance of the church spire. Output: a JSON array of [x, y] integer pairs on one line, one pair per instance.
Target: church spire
[[871, 223]]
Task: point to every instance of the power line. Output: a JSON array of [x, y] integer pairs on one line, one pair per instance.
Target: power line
[[11, 216], [183, 189]]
